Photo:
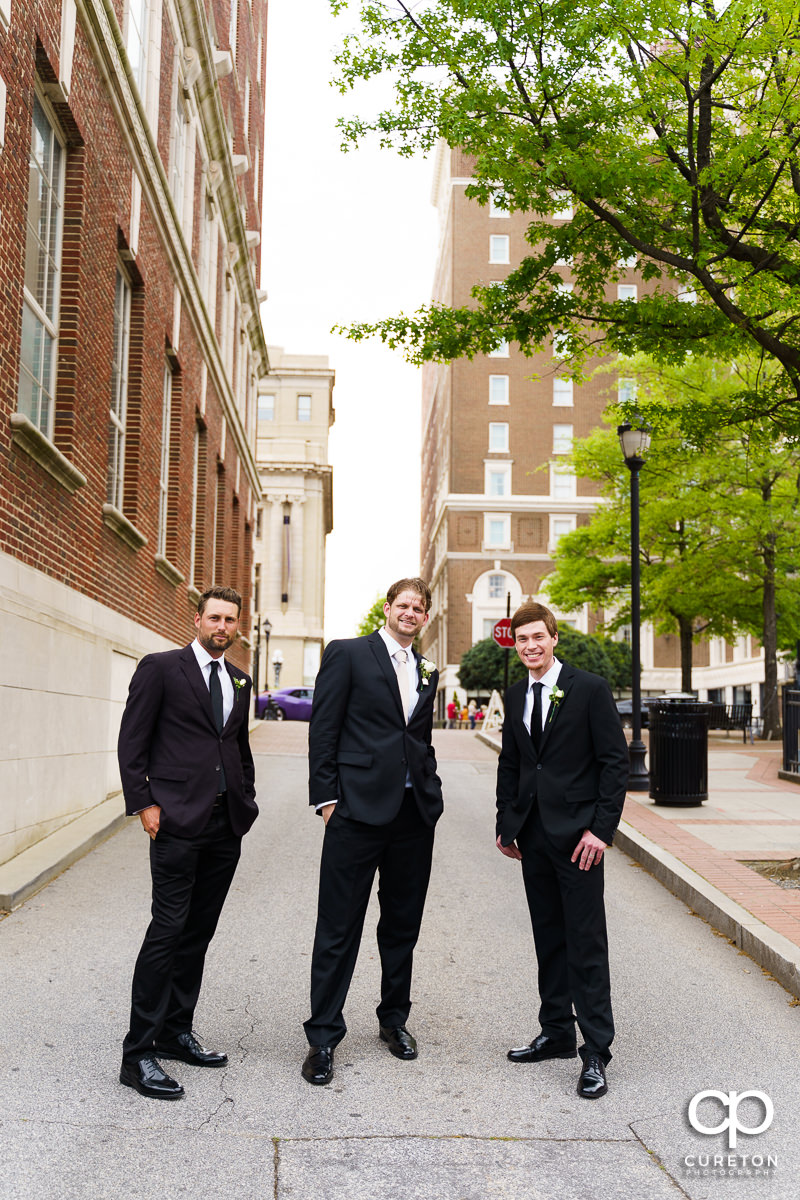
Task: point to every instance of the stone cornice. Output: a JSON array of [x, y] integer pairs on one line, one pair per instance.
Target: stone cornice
[[105, 40]]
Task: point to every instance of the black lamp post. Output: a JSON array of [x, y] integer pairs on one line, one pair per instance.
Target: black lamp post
[[635, 444], [266, 625], [263, 625]]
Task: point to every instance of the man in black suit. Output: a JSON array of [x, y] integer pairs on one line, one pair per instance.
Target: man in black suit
[[187, 770], [373, 777], [561, 780]]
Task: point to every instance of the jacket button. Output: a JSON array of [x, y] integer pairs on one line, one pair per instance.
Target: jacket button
[[403, 761], [538, 766], [216, 768]]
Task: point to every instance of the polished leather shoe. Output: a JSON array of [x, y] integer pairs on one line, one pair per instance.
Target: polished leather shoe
[[543, 1047], [187, 1048], [147, 1077], [318, 1065], [399, 1041], [592, 1080]]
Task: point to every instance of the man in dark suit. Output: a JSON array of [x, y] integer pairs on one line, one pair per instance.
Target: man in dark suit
[[187, 770], [373, 777], [561, 780]]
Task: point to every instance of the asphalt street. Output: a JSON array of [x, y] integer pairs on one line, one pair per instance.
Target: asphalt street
[[461, 1122]]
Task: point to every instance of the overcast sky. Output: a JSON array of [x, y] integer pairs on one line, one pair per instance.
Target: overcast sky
[[346, 237]]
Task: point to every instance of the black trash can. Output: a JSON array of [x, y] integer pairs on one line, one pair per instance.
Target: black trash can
[[679, 750]]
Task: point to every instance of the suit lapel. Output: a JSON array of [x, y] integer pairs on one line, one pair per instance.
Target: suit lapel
[[384, 660], [233, 675], [566, 678], [191, 669]]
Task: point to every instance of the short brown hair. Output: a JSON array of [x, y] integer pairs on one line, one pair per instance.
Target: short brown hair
[[419, 586], [229, 595], [531, 611]]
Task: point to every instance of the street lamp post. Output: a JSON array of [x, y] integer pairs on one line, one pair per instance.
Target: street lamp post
[[635, 444], [263, 625]]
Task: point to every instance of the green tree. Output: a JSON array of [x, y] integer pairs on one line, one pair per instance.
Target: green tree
[[374, 619], [720, 521], [672, 130], [482, 666]]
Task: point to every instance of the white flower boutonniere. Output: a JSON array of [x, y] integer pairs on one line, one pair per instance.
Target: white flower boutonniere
[[426, 669], [556, 696], [238, 682]]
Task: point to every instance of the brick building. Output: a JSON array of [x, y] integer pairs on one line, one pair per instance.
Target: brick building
[[130, 200], [494, 501], [295, 413]]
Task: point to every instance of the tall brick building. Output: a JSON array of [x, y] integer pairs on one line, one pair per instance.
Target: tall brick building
[[494, 501], [130, 200]]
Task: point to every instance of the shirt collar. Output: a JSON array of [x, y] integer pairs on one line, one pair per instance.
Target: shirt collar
[[550, 677], [393, 646], [203, 657]]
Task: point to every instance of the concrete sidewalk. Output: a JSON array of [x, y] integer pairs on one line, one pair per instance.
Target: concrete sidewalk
[[700, 852]]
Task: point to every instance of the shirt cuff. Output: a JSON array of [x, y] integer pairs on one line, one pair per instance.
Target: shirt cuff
[[319, 807]]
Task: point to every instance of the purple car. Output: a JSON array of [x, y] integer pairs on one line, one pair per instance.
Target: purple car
[[285, 704]]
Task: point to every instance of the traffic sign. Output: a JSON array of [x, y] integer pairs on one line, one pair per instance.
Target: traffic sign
[[501, 632]]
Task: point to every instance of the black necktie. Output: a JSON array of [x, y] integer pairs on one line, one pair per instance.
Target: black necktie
[[536, 717], [215, 688]]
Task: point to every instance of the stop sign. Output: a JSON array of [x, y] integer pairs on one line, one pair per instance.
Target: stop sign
[[501, 632]]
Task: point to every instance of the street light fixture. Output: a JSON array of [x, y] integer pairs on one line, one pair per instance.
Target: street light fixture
[[263, 625], [635, 442]]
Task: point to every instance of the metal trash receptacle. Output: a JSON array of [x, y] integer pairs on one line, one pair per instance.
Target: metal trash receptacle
[[679, 750]]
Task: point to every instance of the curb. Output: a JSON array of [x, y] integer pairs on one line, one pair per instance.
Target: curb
[[31, 870], [771, 950]]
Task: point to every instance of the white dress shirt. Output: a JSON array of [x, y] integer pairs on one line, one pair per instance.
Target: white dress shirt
[[549, 679], [204, 661], [411, 666]]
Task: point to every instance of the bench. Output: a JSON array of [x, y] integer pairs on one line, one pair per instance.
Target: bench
[[732, 716]]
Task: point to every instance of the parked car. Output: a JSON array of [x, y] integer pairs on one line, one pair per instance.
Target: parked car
[[285, 704], [625, 710]]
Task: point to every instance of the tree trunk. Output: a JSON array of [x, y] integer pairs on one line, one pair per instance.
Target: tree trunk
[[771, 715], [687, 641]]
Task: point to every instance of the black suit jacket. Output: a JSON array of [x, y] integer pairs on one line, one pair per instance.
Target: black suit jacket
[[580, 775], [169, 749], [359, 746]]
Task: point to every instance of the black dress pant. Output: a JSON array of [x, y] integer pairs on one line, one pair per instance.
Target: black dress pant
[[191, 877], [352, 851], [569, 932]]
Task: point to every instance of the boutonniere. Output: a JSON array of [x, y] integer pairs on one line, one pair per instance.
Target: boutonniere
[[238, 683], [426, 669], [556, 696]]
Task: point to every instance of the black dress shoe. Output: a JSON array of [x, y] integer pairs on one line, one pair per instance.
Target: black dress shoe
[[318, 1065], [399, 1041], [187, 1048], [592, 1080], [544, 1047], [147, 1077]]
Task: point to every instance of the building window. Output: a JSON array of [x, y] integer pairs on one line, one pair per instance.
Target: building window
[[43, 234], [498, 389], [562, 439], [136, 41], [496, 199], [626, 390], [562, 392], [304, 408], [564, 209], [163, 483], [497, 587], [266, 408], [562, 483], [497, 531], [497, 479], [119, 390], [626, 291], [499, 248], [498, 437], [500, 351], [558, 527]]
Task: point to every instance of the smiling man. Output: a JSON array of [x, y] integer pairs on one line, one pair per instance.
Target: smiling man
[[372, 776], [561, 780], [187, 771]]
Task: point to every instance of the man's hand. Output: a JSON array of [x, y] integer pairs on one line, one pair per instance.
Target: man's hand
[[510, 851], [326, 811], [151, 819], [589, 851]]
